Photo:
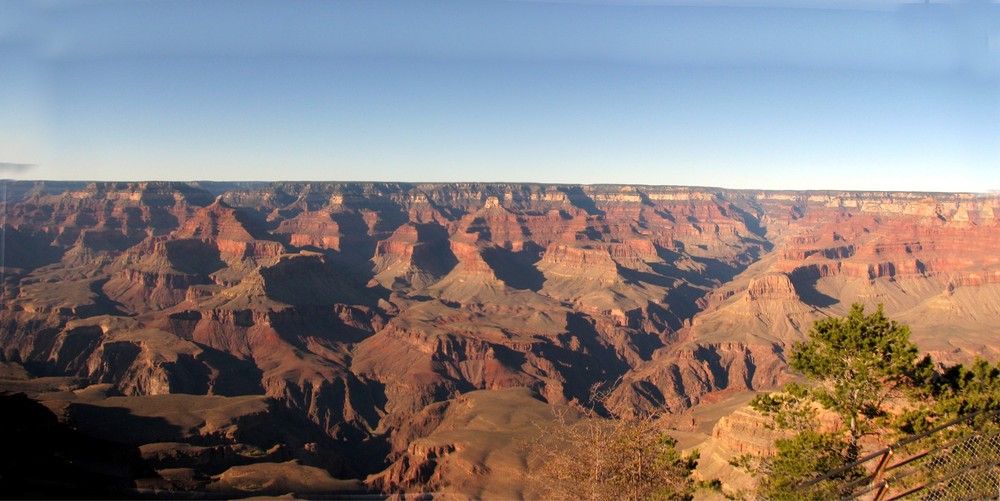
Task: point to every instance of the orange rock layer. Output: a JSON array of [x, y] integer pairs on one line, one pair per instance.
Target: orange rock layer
[[354, 306]]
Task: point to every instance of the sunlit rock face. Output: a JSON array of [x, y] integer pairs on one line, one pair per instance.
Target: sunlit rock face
[[352, 307]]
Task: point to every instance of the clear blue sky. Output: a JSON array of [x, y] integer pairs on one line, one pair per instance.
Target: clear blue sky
[[795, 95]]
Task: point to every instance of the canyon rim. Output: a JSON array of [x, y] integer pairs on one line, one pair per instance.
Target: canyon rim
[[264, 338]]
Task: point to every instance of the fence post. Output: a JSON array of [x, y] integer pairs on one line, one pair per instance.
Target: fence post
[[879, 472]]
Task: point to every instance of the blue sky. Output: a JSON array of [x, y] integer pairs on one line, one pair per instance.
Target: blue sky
[[796, 95]]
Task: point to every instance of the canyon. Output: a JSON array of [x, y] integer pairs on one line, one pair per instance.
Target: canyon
[[395, 338]]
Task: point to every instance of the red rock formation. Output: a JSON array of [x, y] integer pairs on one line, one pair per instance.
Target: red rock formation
[[773, 286], [579, 262], [356, 305], [311, 229], [413, 257], [230, 233], [80, 225]]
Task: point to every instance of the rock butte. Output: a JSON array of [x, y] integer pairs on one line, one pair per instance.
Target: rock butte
[[333, 318]]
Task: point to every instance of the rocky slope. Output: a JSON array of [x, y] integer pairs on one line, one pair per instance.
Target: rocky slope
[[351, 309]]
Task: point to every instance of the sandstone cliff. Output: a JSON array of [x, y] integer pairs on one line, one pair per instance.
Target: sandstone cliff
[[355, 308]]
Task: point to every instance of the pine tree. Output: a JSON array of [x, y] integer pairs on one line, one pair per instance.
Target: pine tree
[[857, 362]]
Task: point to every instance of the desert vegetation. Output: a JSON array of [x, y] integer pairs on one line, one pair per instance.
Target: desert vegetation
[[866, 387], [607, 458], [866, 377]]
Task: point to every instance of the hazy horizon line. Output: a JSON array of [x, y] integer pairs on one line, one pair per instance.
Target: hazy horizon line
[[988, 192]]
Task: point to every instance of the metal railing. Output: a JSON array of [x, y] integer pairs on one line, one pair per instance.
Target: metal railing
[[938, 464]]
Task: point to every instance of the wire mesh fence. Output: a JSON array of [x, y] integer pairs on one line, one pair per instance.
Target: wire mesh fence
[[964, 468], [955, 461]]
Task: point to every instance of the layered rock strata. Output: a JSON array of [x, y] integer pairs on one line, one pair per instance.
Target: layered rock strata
[[353, 307]]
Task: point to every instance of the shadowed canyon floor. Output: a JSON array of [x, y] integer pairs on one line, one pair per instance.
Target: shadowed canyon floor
[[388, 338]]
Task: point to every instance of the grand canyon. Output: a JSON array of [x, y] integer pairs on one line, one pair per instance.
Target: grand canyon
[[238, 339]]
